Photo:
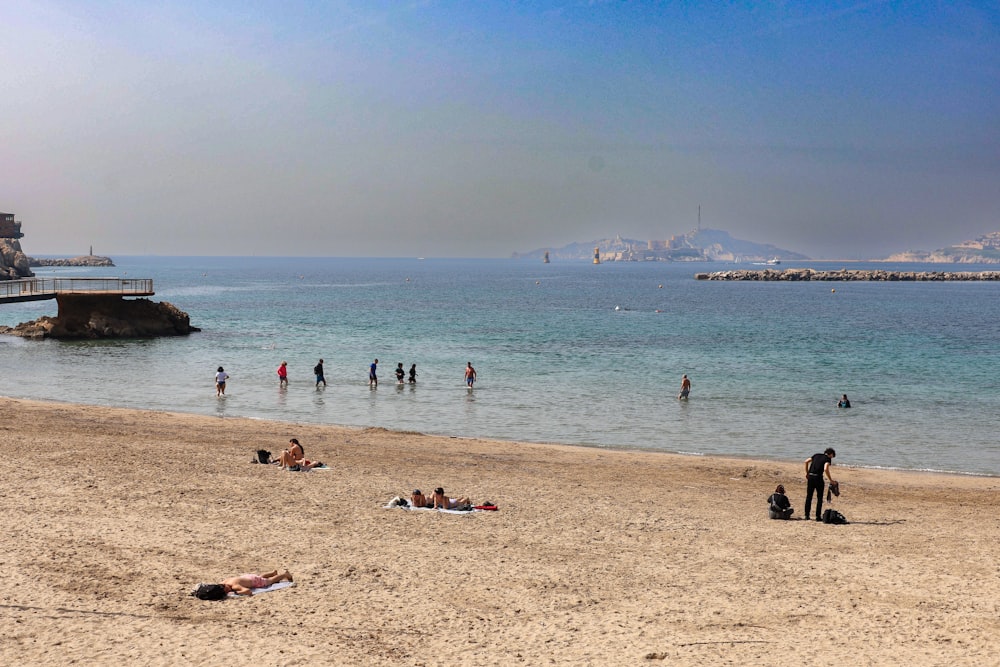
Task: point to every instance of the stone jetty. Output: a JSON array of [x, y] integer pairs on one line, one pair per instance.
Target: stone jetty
[[844, 275]]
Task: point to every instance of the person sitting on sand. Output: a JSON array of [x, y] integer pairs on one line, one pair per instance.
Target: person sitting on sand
[[779, 506], [441, 501], [418, 499], [246, 583], [294, 458]]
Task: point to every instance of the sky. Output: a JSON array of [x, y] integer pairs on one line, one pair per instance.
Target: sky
[[841, 130]]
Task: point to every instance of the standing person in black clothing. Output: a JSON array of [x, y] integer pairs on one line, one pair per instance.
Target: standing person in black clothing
[[818, 465], [320, 376], [400, 373], [413, 374]]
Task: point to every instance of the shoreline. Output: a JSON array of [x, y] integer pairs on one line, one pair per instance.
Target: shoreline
[[594, 556], [541, 443]]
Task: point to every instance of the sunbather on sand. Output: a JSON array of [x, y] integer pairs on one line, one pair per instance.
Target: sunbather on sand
[[441, 501], [294, 458], [418, 499], [246, 583]]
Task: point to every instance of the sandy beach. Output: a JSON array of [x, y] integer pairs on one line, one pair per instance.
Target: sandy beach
[[595, 557]]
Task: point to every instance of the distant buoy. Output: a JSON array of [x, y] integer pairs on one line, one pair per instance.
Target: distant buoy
[[661, 286], [407, 280], [538, 282], [833, 290]]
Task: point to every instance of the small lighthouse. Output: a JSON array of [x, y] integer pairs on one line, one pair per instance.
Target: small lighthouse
[[545, 260], [597, 254]]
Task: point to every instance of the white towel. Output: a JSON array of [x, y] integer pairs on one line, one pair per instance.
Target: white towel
[[273, 587]]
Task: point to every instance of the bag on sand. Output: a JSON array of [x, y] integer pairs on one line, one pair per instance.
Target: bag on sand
[[263, 456], [834, 517]]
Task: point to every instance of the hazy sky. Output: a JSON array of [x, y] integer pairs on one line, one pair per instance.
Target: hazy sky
[[476, 129]]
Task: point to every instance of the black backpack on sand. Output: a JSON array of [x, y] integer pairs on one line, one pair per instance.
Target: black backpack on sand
[[834, 517]]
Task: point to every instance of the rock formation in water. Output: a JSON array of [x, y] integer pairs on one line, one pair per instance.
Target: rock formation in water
[[89, 317]]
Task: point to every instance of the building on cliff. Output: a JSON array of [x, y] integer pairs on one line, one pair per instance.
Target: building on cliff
[[9, 228], [13, 262]]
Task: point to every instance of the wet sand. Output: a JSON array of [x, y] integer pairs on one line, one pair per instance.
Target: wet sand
[[596, 557]]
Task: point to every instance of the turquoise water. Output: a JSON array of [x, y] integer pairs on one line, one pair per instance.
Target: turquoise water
[[566, 352]]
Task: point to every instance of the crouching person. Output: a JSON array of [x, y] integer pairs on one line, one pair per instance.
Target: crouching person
[[778, 505]]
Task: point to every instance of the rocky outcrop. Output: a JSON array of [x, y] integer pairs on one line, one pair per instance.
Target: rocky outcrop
[[13, 261], [107, 317], [82, 260], [846, 275]]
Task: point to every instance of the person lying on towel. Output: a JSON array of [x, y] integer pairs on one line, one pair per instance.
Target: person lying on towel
[[244, 584], [418, 499], [441, 501]]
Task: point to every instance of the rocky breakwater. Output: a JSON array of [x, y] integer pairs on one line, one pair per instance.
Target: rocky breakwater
[[89, 317], [844, 275], [82, 260]]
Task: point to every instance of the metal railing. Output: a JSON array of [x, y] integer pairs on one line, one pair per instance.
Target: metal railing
[[47, 288]]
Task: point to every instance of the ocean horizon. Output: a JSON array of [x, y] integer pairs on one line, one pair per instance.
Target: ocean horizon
[[566, 352]]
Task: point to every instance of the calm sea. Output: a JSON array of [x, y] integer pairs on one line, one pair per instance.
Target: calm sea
[[566, 352]]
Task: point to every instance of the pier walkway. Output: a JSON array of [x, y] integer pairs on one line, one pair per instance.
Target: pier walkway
[[41, 289]]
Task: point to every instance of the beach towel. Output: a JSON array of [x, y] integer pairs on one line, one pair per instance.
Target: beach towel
[[273, 587], [393, 505], [320, 468]]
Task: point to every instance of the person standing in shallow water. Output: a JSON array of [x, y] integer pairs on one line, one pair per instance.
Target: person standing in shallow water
[[413, 374], [400, 373], [470, 375], [818, 465], [220, 381], [685, 387], [283, 374], [373, 374], [320, 376], [844, 402]]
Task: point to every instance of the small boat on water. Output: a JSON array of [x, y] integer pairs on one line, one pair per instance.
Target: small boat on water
[[774, 261]]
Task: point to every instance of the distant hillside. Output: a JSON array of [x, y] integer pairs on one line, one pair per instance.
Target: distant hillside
[[984, 250], [704, 245]]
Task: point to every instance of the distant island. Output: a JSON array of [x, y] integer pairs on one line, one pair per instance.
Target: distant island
[[983, 250], [699, 245], [713, 245]]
